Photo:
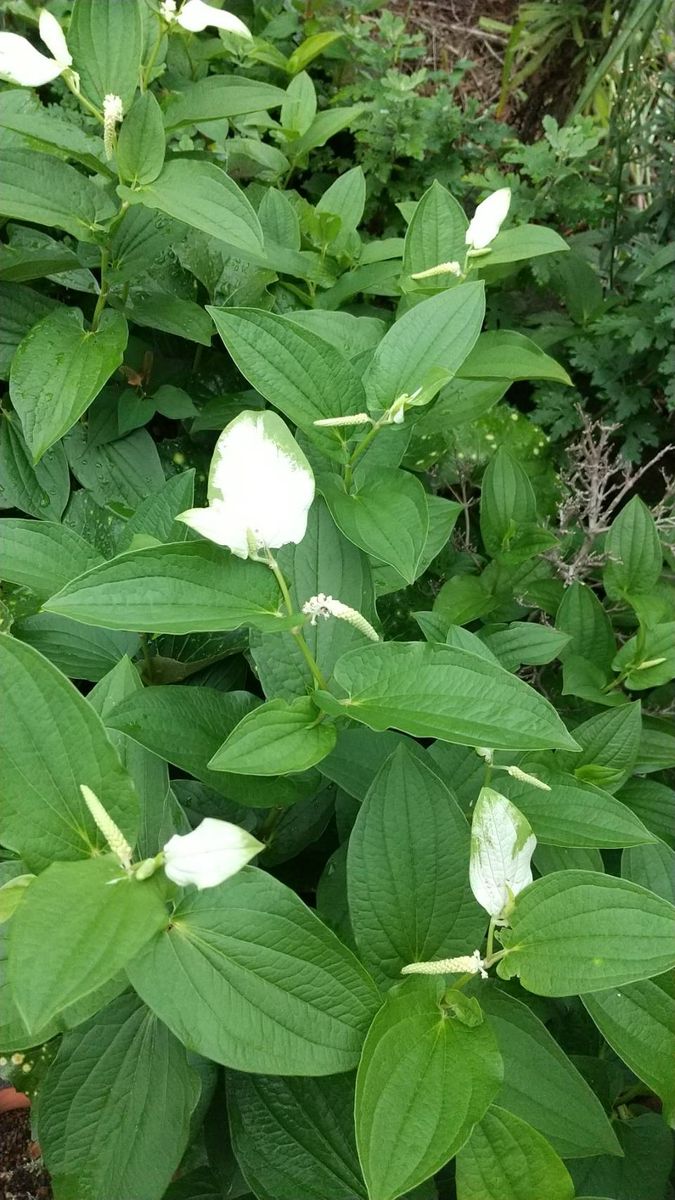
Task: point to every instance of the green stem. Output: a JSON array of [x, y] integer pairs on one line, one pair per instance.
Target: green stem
[[69, 81], [146, 70], [361, 449], [296, 633], [104, 289], [490, 939]]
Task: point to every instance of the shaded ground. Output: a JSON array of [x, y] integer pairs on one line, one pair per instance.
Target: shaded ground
[[22, 1175]]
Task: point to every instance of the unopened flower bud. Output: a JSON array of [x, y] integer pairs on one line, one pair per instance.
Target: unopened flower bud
[[525, 777], [113, 111]]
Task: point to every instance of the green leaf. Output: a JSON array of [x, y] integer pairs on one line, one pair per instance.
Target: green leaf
[[80, 651], [20, 309], [277, 738], [295, 1137], [324, 126], [642, 1174], [45, 191], [102, 1129], [156, 515], [435, 234], [409, 894], [638, 1021], [652, 867], [298, 109], [122, 472], [436, 334], [654, 804], [43, 555], [42, 130], [186, 725], [506, 1159], [507, 502], [52, 741], [142, 142], [201, 195], [386, 516], [609, 742], [504, 354], [541, 1086], [523, 241], [249, 977], [74, 931], [582, 616], [523, 643], [633, 551], [182, 318], [41, 489], [424, 1080], [654, 663], [442, 516], [358, 756], [106, 42], [462, 599], [439, 691], [293, 368], [59, 368], [579, 931], [187, 587], [574, 813], [218, 97], [309, 49]]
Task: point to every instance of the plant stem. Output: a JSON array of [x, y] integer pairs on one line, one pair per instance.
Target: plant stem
[[361, 449], [296, 633], [490, 938], [104, 289]]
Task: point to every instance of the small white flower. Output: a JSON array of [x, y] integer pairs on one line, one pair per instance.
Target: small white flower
[[488, 219], [502, 844], [195, 16], [210, 854], [260, 487], [325, 606], [21, 63]]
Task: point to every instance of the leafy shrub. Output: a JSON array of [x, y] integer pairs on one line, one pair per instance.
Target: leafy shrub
[[304, 595]]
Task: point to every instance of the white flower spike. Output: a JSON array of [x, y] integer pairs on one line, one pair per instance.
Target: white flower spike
[[195, 16], [113, 112], [210, 854], [488, 219], [465, 964], [112, 834], [21, 63], [325, 606], [260, 488], [502, 844]]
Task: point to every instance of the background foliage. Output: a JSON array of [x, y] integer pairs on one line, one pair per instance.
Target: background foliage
[[251, 240]]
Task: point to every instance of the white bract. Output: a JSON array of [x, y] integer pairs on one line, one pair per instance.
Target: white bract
[[210, 854], [195, 16], [488, 219], [21, 63], [260, 487], [502, 844]]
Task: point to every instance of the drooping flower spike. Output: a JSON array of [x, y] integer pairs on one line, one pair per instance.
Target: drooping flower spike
[[196, 15], [260, 488], [488, 219], [21, 63]]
